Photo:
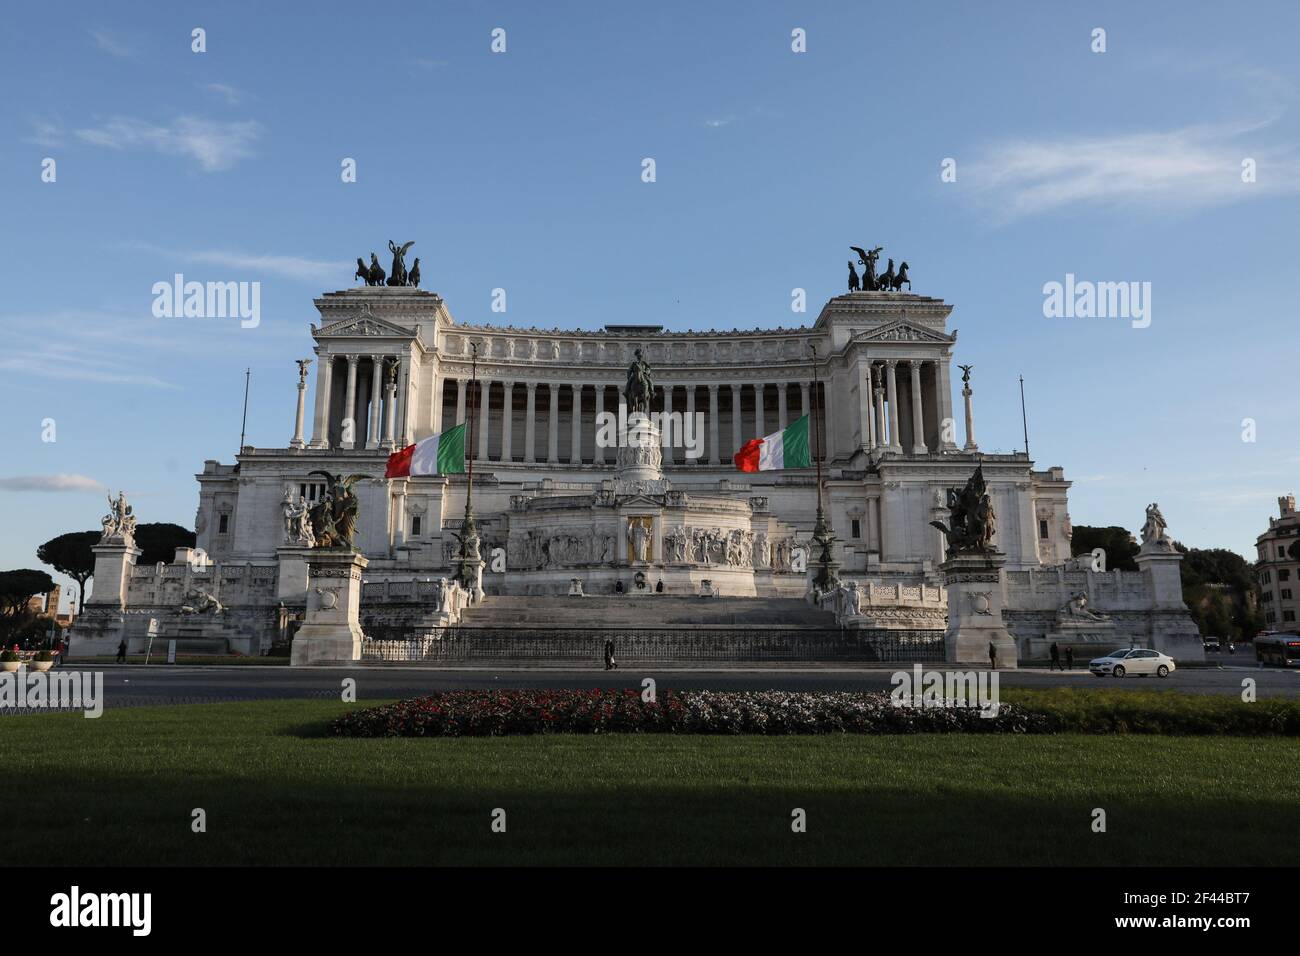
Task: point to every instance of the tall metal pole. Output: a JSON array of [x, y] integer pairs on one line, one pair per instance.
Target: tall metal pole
[[1023, 417], [467, 573], [473, 406], [243, 425], [822, 535], [817, 428]]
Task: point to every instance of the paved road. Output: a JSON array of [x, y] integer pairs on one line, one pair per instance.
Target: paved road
[[138, 685]]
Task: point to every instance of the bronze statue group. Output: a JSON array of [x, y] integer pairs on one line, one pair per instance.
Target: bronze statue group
[[374, 274]]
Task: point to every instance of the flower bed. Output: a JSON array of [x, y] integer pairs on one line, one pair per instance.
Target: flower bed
[[510, 712]]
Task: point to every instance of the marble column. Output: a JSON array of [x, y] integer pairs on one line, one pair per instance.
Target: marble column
[[484, 416], [878, 390], [667, 438], [530, 425], [688, 428], [320, 426], [349, 422], [869, 383], [715, 457], [970, 445], [598, 450], [943, 406], [435, 402], [301, 412], [405, 420], [918, 414], [390, 422], [376, 400], [507, 420], [553, 425], [891, 386], [866, 428], [736, 440], [760, 425], [804, 404], [782, 405], [575, 433], [460, 400]]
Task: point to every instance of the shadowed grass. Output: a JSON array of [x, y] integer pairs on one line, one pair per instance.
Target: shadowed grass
[[120, 790]]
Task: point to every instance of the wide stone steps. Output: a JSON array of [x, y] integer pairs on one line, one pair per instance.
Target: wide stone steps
[[652, 610]]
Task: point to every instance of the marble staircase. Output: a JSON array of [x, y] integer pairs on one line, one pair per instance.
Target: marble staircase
[[649, 610]]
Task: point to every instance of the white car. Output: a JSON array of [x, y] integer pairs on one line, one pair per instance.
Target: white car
[[1132, 660]]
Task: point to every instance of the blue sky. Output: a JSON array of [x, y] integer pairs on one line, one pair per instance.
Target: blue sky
[[522, 170]]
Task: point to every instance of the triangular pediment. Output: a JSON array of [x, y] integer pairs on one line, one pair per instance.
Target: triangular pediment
[[366, 325], [900, 330]]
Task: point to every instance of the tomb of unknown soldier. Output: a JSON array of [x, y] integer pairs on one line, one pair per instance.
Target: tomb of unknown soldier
[[610, 485]]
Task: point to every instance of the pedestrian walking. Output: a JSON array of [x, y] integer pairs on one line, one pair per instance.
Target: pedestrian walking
[[610, 663], [1056, 658], [121, 652], [993, 656], [1069, 657]]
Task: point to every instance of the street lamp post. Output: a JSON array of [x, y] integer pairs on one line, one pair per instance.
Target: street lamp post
[[470, 563], [824, 537]]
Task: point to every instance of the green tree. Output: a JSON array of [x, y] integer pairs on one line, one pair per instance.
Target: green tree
[[1117, 542], [1220, 590], [159, 541], [70, 554], [16, 589]]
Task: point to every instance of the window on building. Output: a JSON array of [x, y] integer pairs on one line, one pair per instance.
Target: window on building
[[1284, 574], [857, 527], [1288, 615], [1286, 594], [1042, 528], [415, 527], [223, 524], [1281, 551]]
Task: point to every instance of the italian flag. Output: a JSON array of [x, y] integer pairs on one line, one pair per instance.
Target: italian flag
[[783, 449], [437, 455]]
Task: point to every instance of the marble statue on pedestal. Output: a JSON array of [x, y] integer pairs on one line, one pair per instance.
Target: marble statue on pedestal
[[119, 523], [639, 536], [1155, 532]]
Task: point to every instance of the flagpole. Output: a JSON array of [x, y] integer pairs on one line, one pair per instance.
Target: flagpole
[[243, 425], [1024, 420]]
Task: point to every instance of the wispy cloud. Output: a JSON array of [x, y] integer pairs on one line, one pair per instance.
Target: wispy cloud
[[60, 483], [226, 92], [719, 122], [47, 133], [111, 44], [286, 267], [214, 144], [1184, 168]]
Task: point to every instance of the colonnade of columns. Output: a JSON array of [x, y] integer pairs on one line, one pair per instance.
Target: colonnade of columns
[[925, 418], [900, 410], [753, 410], [370, 412]]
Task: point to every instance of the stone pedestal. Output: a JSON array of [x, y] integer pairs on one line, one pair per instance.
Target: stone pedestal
[[974, 583], [291, 582], [1173, 631], [640, 456], [114, 560], [331, 632]]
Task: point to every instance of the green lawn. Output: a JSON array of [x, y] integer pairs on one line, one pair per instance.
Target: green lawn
[[120, 790]]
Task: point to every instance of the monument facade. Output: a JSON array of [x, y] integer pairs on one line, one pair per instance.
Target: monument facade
[[556, 503]]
